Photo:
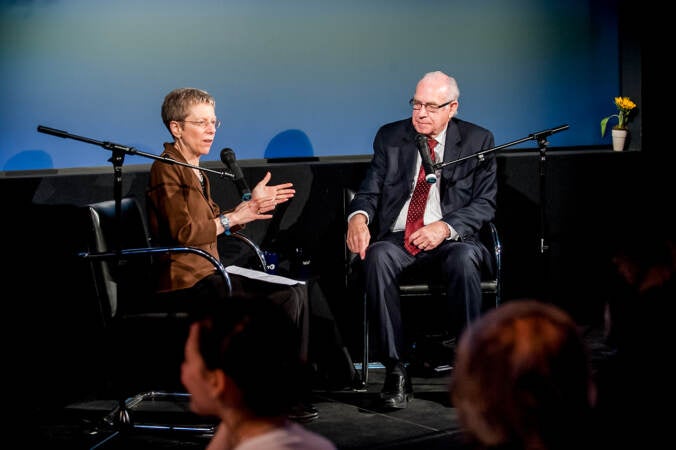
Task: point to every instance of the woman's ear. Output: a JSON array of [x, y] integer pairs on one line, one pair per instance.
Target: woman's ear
[[176, 129], [217, 382]]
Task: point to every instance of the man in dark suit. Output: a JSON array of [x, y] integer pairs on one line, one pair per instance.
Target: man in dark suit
[[455, 209]]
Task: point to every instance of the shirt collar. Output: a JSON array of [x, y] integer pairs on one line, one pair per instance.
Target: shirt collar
[[441, 138]]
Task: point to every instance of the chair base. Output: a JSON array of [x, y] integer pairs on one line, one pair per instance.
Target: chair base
[[160, 411]]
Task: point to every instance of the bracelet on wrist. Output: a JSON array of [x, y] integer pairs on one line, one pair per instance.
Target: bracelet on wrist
[[226, 224]]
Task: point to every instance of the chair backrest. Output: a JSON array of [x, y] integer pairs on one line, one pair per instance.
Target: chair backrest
[[125, 279], [128, 277]]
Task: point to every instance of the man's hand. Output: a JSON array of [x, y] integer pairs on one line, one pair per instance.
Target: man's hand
[[430, 236], [358, 235]]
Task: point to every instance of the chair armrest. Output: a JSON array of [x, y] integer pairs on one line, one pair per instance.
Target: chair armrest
[[254, 247], [160, 250]]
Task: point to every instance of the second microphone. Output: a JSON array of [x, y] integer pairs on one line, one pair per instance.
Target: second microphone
[[230, 161], [427, 164]]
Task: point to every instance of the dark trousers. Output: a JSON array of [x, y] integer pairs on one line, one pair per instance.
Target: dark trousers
[[292, 299], [305, 304], [460, 264]]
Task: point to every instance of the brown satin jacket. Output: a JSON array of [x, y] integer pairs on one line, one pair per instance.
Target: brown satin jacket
[[180, 213]]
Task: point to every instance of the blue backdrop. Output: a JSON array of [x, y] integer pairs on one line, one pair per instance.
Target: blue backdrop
[[302, 76]]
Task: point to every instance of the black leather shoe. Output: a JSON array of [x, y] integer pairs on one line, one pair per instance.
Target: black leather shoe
[[397, 390], [303, 413]]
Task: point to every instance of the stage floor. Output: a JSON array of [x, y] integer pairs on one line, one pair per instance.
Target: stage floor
[[349, 418]]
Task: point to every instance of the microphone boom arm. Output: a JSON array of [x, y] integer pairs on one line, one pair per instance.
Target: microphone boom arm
[[540, 137], [120, 150]]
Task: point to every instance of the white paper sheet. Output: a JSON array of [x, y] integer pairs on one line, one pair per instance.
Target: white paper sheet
[[262, 276]]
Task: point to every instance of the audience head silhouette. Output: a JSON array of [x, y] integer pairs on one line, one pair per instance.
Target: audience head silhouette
[[241, 339], [242, 365], [523, 378]]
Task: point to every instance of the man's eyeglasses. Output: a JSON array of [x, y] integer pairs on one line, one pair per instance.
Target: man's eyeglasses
[[203, 124], [431, 108]]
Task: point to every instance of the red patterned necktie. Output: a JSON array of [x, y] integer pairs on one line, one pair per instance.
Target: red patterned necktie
[[416, 209]]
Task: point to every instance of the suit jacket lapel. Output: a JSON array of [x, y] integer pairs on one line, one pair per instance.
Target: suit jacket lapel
[[451, 147], [407, 160], [451, 153]]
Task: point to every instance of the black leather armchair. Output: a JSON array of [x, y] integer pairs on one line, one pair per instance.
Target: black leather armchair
[[145, 331]]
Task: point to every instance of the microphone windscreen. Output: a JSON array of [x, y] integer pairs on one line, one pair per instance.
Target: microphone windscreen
[[228, 156]]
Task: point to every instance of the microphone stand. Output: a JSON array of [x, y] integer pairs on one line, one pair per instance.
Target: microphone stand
[[123, 417], [541, 138], [117, 159]]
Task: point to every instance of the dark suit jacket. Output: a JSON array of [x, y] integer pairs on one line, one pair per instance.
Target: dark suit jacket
[[468, 188]]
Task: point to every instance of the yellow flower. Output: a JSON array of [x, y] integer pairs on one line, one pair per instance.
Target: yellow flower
[[624, 107]]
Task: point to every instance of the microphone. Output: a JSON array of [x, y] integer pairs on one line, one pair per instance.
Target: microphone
[[428, 166], [228, 158], [52, 131]]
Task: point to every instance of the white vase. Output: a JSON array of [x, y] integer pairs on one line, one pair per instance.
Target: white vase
[[619, 137]]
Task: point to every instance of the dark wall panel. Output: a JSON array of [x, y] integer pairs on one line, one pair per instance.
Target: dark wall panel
[[593, 200]]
